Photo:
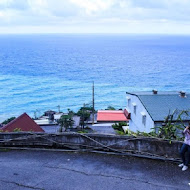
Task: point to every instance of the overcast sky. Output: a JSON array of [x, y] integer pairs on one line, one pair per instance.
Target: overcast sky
[[95, 16]]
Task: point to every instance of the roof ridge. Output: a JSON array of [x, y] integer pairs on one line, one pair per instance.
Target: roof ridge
[[26, 123], [15, 119]]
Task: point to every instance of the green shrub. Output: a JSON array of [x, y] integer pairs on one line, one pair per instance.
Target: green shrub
[[4, 150], [87, 127], [144, 134], [120, 132], [118, 126], [83, 131]]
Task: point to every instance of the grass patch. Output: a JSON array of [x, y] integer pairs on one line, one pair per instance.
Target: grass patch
[[4, 150], [83, 131]]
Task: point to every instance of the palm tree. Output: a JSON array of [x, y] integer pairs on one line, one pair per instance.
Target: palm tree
[[65, 121], [84, 114]]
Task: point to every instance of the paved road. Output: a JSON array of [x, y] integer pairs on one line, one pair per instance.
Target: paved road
[[51, 128], [105, 128], [24, 170]]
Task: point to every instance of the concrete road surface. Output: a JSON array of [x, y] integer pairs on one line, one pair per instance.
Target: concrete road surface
[[105, 128], [24, 170]]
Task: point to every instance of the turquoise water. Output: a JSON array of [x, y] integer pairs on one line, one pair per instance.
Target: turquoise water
[[39, 72]]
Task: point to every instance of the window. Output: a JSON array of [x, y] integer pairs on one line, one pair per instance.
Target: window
[[128, 101], [134, 108], [143, 118]]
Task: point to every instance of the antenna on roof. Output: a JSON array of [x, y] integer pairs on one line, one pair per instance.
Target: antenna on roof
[[35, 117]]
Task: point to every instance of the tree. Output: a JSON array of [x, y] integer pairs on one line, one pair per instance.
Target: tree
[[173, 124], [84, 114], [118, 126], [65, 121], [110, 108], [8, 120], [71, 112]]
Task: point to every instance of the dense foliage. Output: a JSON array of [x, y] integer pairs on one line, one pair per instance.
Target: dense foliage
[[173, 125], [8, 120], [118, 126], [110, 108], [84, 113], [66, 122]]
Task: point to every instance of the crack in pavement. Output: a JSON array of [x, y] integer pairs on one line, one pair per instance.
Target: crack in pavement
[[21, 185], [113, 176]]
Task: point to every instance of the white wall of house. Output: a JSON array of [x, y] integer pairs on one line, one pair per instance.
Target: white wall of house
[[140, 119]]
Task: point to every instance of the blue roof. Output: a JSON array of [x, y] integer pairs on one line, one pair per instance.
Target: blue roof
[[161, 104]]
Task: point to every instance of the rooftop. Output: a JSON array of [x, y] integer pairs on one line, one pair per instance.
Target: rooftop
[[111, 115], [24, 123]]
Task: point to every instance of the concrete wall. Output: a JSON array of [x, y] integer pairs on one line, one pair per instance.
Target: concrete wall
[[135, 123], [97, 141]]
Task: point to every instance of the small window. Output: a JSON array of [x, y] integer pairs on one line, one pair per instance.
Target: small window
[[128, 101], [144, 119], [134, 108]]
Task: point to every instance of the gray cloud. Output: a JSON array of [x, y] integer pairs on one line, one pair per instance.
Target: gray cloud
[[87, 12], [62, 8], [14, 4]]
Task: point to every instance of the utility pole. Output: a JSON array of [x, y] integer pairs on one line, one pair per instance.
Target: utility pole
[[35, 113], [93, 103], [58, 108], [35, 117], [83, 115]]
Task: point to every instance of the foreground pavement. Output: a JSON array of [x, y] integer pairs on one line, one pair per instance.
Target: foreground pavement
[[49, 170]]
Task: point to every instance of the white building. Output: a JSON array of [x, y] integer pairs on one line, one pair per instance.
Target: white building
[[149, 109]]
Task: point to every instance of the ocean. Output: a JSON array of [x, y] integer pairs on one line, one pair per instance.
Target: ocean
[[38, 72]]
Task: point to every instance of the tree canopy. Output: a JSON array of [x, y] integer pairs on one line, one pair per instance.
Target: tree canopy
[[110, 108], [8, 120], [66, 121]]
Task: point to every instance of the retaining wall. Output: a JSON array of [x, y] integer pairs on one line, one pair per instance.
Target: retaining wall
[[135, 145]]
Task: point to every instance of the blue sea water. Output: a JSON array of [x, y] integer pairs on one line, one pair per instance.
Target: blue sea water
[[39, 72]]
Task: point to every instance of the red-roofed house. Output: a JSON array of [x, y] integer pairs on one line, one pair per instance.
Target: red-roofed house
[[24, 123], [112, 115]]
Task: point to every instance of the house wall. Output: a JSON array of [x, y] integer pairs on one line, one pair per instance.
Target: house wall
[[136, 123]]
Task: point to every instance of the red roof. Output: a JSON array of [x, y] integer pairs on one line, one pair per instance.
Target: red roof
[[112, 115], [24, 123]]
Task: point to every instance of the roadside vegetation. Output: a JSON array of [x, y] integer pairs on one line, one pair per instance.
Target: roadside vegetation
[[118, 127], [170, 129], [84, 113], [65, 122]]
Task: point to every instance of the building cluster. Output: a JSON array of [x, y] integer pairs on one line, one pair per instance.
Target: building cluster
[[144, 112]]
